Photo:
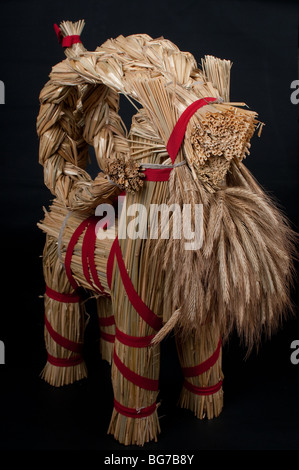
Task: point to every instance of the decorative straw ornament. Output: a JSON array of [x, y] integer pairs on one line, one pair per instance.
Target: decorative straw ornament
[[185, 147]]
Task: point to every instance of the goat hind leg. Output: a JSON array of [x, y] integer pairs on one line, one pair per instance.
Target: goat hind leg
[[64, 323], [200, 357]]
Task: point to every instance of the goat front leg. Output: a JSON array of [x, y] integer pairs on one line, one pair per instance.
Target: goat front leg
[[135, 379]]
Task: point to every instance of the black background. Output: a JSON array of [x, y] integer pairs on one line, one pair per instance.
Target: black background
[[261, 405]]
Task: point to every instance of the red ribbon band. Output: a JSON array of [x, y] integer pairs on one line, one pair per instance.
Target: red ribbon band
[[133, 341], [61, 340], [157, 174], [65, 362], [203, 390], [107, 337], [176, 138], [132, 412], [204, 366], [87, 254], [88, 249], [67, 298], [69, 252], [107, 321], [141, 308], [136, 379], [91, 250], [66, 41]]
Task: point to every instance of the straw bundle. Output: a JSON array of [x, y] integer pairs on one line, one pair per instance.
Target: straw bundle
[[240, 277]]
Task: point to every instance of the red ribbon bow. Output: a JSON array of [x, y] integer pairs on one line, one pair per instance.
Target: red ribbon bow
[[66, 41]]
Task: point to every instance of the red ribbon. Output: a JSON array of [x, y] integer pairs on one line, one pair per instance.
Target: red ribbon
[[107, 321], [141, 308], [58, 33], [69, 252], [67, 298], [61, 340], [64, 362], [136, 379], [204, 366], [132, 412], [157, 174], [85, 251], [88, 248], [107, 337], [203, 390], [91, 249], [66, 41], [87, 254], [133, 341], [200, 369], [178, 132]]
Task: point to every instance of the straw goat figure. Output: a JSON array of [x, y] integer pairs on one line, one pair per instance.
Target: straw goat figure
[[185, 149]]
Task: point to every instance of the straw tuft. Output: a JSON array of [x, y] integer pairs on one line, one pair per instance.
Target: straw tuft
[[126, 174]]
